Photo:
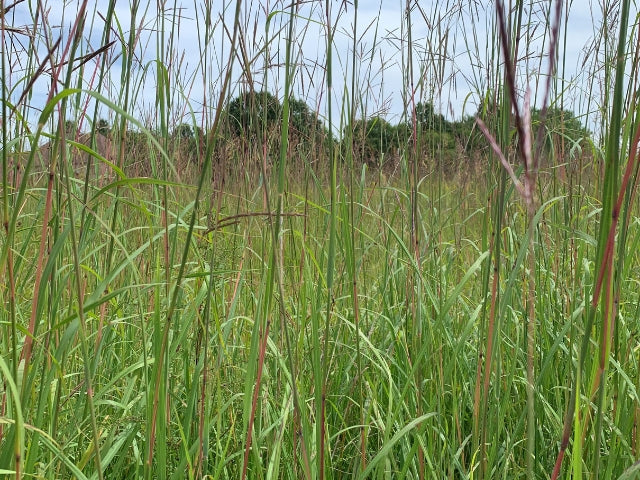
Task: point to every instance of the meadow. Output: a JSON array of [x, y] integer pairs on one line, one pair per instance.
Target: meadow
[[265, 280]]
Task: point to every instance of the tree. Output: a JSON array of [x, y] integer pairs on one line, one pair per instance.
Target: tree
[[184, 131], [428, 119], [304, 122], [561, 127], [70, 127], [467, 135], [250, 111], [254, 116], [373, 138], [103, 127]]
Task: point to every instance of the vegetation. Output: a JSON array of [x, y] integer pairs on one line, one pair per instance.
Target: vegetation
[[374, 138], [261, 285]]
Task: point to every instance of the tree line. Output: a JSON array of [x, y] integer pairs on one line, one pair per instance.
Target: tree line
[[250, 126]]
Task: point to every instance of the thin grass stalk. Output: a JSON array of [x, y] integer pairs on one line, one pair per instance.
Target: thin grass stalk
[[12, 377], [120, 137], [316, 356], [204, 158], [498, 203], [604, 262], [5, 200], [321, 392], [491, 242], [61, 100], [262, 322], [206, 166], [608, 255], [173, 299], [121, 130], [101, 70], [304, 427], [79, 289], [160, 377], [623, 261], [507, 36], [530, 179], [352, 238], [82, 320], [609, 208], [77, 35], [276, 266], [26, 351], [489, 289], [27, 347], [278, 243], [203, 422], [531, 161], [526, 191], [493, 326], [625, 195], [18, 422], [300, 421], [414, 286], [15, 373], [161, 397]]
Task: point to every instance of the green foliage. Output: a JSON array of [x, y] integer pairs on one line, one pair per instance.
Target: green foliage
[[184, 131], [561, 127], [70, 127], [188, 145], [467, 135], [250, 112], [253, 118], [373, 138], [434, 141], [103, 127], [303, 120], [428, 119]]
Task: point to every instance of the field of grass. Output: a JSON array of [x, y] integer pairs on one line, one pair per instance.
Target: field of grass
[[309, 293]]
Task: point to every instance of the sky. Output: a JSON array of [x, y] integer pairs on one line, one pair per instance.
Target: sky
[[451, 55]]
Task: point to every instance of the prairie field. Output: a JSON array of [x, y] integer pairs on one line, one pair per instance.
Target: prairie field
[[320, 240]]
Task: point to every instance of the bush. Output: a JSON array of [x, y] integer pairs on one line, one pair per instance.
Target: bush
[[102, 127], [428, 119], [251, 112], [373, 138], [561, 129]]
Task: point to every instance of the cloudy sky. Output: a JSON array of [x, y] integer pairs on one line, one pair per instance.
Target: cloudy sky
[[452, 53]]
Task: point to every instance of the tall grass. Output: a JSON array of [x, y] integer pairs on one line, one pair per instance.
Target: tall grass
[[260, 306]]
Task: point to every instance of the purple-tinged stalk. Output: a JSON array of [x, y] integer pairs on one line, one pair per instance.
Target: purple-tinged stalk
[[526, 189]]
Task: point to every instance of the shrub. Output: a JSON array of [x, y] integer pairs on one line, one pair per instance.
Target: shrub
[[373, 138]]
